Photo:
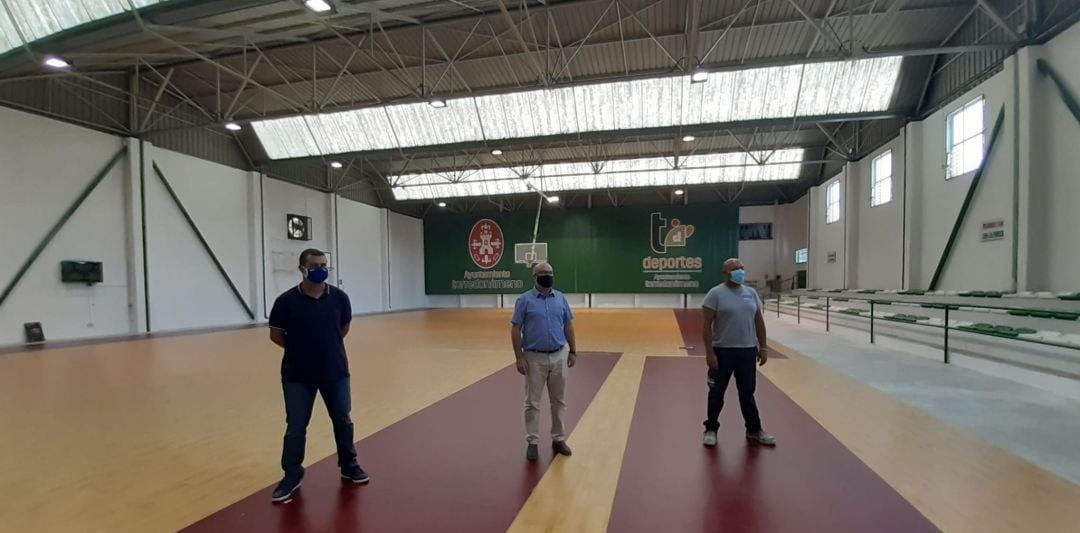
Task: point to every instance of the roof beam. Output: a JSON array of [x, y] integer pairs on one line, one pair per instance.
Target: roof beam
[[817, 25], [997, 18]]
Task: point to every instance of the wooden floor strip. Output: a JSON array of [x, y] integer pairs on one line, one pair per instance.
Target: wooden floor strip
[[576, 493], [957, 480]]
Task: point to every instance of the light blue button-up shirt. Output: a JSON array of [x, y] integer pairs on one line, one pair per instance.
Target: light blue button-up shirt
[[543, 320]]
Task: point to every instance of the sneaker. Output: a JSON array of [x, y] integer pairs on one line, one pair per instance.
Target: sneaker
[[709, 439], [286, 488], [561, 448], [761, 438], [355, 475], [532, 453]]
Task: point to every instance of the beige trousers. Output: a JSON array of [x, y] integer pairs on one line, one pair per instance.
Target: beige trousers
[[550, 370]]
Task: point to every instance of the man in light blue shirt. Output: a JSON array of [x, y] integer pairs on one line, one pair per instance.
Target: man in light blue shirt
[[735, 335], [542, 334]]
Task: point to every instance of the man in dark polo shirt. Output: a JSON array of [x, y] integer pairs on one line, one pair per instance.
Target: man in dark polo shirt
[[310, 321]]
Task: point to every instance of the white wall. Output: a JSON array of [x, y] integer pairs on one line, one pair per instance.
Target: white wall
[[186, 288], [282, 253], [1030, 183], [876, 251], [828, 238], [759, 257], [1051, 159], [792, 233], [363, 255], [183, 287], [406, 235], [934, 202], [46, 165]]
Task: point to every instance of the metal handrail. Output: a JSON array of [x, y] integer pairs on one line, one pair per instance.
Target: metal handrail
[[947, 307]]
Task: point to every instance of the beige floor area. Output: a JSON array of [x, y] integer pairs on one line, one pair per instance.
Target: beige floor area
[[152, 435]]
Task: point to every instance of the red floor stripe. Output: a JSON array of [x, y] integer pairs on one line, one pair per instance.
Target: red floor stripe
[[691, 322], [810, 482], [458, 465]]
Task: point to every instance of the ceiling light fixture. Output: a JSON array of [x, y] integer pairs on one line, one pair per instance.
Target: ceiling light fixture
[[336, 164], [688, 138], [679, 192], [55, 62], [699, 75], [232, 126], [552, 199], [438, 103], [442, 204], [496, 152], [318, 6]]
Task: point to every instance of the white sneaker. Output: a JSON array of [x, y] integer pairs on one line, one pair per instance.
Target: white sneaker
[[709, 439]]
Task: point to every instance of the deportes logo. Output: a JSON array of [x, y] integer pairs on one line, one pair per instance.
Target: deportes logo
[[661, 237], [486, 243]]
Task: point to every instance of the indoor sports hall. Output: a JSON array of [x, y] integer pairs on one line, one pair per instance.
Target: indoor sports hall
[[563, 266]]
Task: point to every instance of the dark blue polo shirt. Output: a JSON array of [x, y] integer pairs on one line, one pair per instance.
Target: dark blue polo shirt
[[314, 347]]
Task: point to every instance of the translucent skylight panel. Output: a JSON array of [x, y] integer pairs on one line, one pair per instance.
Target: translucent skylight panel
[[493, 117], [420, 124], [37, 19], [645, 172], [286, 137], [882, 85], [843, 87], [627, 108], [848, 96], [782, 93], [548, 108], [567, 169], [375, 129], [349, 130], [818, 80], [593, 104]]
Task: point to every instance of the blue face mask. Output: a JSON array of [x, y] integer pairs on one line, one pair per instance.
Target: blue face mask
[[318, 274], [738, 276]]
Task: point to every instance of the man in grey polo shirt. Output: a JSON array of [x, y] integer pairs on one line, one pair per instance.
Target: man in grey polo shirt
[[735, 331], [542, 334]]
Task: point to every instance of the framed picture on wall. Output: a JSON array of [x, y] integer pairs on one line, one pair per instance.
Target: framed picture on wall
[[755, 231], [298, 227]]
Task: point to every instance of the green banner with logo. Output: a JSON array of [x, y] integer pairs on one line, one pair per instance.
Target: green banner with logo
[[677, 249]]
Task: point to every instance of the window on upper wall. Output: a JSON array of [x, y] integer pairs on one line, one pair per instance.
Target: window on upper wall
[[964, 132], [832, 202], [801, 256], [881, 179]]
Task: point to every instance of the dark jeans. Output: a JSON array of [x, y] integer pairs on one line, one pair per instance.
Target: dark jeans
[[743, 363], [299, 400]]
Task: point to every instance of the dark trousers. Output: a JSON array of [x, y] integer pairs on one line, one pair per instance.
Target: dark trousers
[[299, 400], [743, 363]]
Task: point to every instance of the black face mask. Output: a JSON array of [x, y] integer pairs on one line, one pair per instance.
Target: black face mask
[[545, 281]]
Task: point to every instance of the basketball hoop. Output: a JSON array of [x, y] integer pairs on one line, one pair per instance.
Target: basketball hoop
[[530, 254]]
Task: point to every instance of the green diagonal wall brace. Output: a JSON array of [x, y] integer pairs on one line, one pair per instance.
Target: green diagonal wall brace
[[994, 135], [205, 244], [60, 224], [1067, 95]]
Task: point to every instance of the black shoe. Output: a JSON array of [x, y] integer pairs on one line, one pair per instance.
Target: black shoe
[[286, 488], [561, 448], [355, 475], [532, 453]]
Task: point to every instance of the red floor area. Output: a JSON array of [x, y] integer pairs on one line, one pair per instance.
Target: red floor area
[[458, 465], [691, 323], [810, 482]]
